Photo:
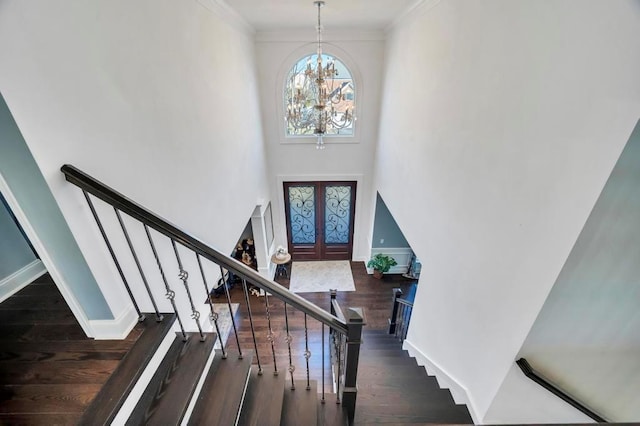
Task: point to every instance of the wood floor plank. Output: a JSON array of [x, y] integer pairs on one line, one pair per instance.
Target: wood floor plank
[[57, 372], [43, 399], [40, 419], [50, 370]]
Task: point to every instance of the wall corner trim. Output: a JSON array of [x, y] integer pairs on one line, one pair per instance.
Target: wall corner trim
[[20, 279], [415, 9], [117, 328], [445, 380]]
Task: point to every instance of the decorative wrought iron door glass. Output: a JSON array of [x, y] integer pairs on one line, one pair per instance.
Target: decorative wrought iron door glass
[[302, 211], [337, 222]]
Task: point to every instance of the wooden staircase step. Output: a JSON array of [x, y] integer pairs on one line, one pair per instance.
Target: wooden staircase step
[[168, 394], [220, 399], [379, 414], [263, 399], [115, 391], [299, 406], [423, 387], [381, 344], [386, 361], [383, 395], [406, 370], [330, 413], [368, 353]]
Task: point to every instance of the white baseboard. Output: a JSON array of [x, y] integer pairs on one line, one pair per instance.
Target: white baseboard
[[401, 255], [445, 380], [20, 279], [118, 328]]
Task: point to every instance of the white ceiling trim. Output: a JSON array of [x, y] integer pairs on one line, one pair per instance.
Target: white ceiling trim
[[228, 14], [418, 8]]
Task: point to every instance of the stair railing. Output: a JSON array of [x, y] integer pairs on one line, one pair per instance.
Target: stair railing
[[400, 315], [540, 379], [164, 238], [344, 355]]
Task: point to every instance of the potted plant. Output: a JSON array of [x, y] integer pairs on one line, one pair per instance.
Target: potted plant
[[381, 263]]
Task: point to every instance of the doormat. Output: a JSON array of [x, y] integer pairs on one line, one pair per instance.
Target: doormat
[[224, 321], [311, 277]]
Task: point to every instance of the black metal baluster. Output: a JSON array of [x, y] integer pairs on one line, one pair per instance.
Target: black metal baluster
[[113, 255], [307, 352], [233, 320], [184, 276], [159, 317], [170, 293], [253, 333], [322, 345], [289, 339], [213, 315], [339, 350], [270, 336]]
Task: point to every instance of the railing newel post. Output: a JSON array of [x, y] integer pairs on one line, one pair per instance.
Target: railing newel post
[[397, 294], [355, 322]]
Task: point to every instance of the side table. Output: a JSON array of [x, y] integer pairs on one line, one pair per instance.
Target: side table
[[281, 264]]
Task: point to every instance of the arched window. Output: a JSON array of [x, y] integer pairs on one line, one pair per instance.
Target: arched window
[[319, 106]]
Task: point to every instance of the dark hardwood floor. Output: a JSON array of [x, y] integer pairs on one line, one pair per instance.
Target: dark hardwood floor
[[374, 295], [49, 370]]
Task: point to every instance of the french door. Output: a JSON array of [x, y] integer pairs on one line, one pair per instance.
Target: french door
[[320, 219]]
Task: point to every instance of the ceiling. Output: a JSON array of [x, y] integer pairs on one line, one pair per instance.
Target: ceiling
[[270, 15]]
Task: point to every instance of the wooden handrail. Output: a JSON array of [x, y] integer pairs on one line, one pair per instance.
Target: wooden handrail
[[534, 375], [136, 211]]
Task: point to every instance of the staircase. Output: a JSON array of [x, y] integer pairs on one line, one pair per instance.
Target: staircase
[[392, 388], [197, 384], [233, 391]]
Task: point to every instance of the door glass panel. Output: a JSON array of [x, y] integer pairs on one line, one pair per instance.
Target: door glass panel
[[337, 214], [302, 213]]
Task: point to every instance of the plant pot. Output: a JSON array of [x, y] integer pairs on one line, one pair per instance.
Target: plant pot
[[377, 274]]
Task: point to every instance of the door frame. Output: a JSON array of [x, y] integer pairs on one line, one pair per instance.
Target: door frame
[[282, 219], [320, 249]]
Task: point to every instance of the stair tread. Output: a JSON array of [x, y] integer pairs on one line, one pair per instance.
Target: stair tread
[[299, 406], [263, 399], [330, 413], [373, 414], [368, 353], [221, 397], [166, 398], [112, 395]]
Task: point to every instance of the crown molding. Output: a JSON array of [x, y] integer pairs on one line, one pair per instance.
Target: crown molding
[[418, 8], [228, 14]]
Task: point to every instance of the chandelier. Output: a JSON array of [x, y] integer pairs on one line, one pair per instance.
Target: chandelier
[[316, 100]]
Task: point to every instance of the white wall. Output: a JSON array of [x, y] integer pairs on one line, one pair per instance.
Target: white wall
[[158, 99], [343, 158], [514, 114], [539, 405], [587, 335]]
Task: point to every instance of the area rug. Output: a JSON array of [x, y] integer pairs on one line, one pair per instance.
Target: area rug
[[310, 277], [224, 320]]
